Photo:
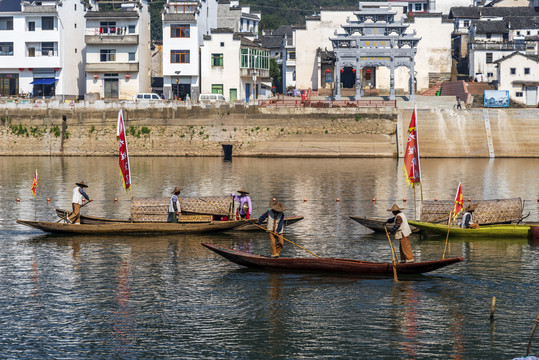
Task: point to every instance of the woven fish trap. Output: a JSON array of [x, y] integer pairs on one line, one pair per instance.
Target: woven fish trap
[[488, 211], [200, 209]]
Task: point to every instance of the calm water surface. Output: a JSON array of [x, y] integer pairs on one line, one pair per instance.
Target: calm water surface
[[137, 297]]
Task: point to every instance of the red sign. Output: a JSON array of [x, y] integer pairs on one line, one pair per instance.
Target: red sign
[[411, 157], [123, 154]]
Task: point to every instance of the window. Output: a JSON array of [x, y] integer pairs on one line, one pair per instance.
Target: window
[[489, 35], [467, 23], [519, 94], [292, 55], [6, 23], [490, 74], [31, 26], [216, 59], [254, 58], [217, 89], [528, 32], [131, 56], [489, 58], [222, 44], [513, 71], [6, 49], [180, 31], [418, 7], [31, 52], [47, 49], [75, 25], [518, 32], [107, 55], [47, 23], [180, 57], [107, 27], [75, 7], [131, 29], [527, 71]]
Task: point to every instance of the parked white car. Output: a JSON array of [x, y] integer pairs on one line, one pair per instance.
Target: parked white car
[[212, 98], [150, 97]]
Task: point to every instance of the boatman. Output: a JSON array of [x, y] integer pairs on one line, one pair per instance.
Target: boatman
[[402, 232], [78, 194], [275, 226], [467, 219], [174, 208], [244, 208]]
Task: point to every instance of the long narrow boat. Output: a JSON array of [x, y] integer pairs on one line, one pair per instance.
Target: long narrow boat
[[94, 220], [375, 224], [490, 231], [131, 228], [328, 264]]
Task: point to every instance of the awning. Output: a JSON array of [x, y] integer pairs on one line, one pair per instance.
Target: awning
[[44, 81]]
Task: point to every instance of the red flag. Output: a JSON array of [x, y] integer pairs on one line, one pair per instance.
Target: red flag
[[34, 184], [411, 157], [459, 204], [123, 154]]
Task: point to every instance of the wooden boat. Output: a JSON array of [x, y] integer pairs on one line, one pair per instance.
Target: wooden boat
[[328, 264], [490, 231], [131, 228], [375, 224], [93, 220]]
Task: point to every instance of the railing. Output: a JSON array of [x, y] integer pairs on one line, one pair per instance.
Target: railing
[[111, 30], [497, 46], [327, 103]]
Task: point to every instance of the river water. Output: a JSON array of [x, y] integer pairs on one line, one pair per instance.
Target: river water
[[167, 297]]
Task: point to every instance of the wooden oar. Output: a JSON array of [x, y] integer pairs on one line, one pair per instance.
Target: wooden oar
[[393, 256], [263, 228], [531, 338], [67, 213], [447, 237]]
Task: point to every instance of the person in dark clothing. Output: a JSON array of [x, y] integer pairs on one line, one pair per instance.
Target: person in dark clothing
[[174, 209], [275, 226]]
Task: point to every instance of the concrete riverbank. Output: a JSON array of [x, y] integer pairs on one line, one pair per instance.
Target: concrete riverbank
[[286, 132]]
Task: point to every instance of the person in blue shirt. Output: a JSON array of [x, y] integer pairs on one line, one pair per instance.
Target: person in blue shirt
[[275, 226], [468, 219], [174, 209]]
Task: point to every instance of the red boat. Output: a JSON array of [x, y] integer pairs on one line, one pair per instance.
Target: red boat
[[328, 264]]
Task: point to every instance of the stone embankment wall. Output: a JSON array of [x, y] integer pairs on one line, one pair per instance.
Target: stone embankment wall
[[195, 131]]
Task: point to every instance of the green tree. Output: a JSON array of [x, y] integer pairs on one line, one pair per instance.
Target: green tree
[[156, 27], [275, 73]]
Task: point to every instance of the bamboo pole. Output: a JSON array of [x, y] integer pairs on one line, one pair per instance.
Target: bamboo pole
[[447, 237], [531, 337], [492, 307], [393, 256], [415, 206]]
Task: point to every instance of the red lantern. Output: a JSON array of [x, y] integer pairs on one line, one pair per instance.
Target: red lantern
[[328, 71], [95, 76], [56, 69], [21, 69], [368, 70], [127, 76], [30, 69], [342, 70], [354, 71]]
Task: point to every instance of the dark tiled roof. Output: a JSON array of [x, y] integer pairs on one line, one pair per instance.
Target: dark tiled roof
[[222, 31], [10, 5], [531, 57], [284, 30], [250, 16], [272, 41], [339, 8], [490, 27], [464, 12], [111, 14], [522, 22], [315, 18], [477, 12]]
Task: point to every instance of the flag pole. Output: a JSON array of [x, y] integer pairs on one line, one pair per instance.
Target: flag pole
[[447, 237], [415, 206]]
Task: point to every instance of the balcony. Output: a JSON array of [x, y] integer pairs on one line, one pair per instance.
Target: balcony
[[111, 39], [264, 73], [497, 46], [111, 67]]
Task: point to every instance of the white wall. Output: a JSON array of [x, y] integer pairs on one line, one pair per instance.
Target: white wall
[[444, 6], [519, 63]]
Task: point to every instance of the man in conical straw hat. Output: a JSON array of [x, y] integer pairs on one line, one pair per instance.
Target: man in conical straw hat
[[467, 219], [174, 208], [78, 194], [244, 207], [402, 231], [275, 216]]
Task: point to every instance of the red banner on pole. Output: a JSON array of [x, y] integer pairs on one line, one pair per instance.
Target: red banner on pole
[[35, 183], [459, 202], [411, 157], [123, 154]]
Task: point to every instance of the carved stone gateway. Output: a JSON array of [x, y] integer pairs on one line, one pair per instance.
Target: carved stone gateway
[[373, 40]]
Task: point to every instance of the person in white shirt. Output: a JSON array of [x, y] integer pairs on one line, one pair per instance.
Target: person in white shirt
[[78, 195], [402, 232], [174, 209]]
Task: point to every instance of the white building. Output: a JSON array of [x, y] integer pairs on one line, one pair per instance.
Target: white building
[[238, 18], [519, 74], [118, 50], [185, 23], [234, 66], [279, 43], [433, 57], [40, 48]]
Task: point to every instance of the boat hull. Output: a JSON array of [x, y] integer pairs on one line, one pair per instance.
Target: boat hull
[[489, 231], [328, 264], [375, 224], [113, 228]]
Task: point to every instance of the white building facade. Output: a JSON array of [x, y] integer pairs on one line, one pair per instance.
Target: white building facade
[[185, 23], [234, 66], [40, 49], [118, 51], [519, 74]]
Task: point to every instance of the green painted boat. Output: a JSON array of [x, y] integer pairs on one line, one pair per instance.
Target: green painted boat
[[489, 231]]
